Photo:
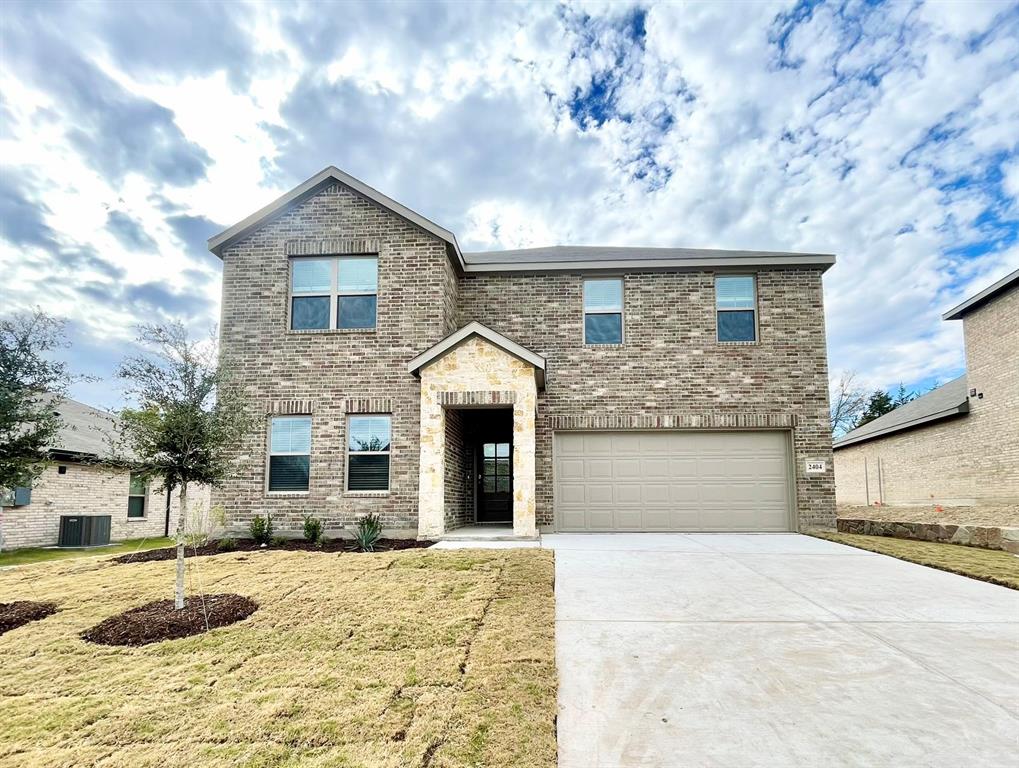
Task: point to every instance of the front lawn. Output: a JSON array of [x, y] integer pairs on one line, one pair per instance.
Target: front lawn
[[432, 659], [985, 564], [42, 554]]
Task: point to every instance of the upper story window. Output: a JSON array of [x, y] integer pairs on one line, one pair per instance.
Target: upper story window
[[603, 311], [334, 292], [289, 453], [368, 441], [136, 496], [736, 308]]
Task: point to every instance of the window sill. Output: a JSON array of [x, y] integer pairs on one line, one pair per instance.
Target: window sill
[[738, 343], [365, 494], [137, 519], [286, 494], [326, 331], [605, 346]]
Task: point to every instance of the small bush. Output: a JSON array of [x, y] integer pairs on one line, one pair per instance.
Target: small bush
[[226, 545], [278, 541], [261, 529], [367, 532], [312, 529]]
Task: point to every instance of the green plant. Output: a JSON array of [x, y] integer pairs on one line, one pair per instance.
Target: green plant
[[367, 532], [278, 541], [312, 529], [226, 544], [261, 529]]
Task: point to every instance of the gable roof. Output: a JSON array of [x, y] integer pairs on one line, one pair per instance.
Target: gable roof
[[302, 192], [946, 401], [549, 259], [974, 302], [573, 257], [84, 432], [495, 338]]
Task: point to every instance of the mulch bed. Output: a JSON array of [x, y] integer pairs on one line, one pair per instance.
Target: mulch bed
[[159, 620], [249, 545], [20, 612]]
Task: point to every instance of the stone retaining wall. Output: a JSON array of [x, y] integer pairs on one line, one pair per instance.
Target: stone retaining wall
[[988, 537]]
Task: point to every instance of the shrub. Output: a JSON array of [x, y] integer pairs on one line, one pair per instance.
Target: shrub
[[367, 532], [278, 541], [226, 544], [261, 529], [312, 529]]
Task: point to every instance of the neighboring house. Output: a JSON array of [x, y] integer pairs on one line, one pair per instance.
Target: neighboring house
[[562, 388], [955, 445], [101, 501]]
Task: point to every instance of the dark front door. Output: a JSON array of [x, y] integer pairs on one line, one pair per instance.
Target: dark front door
[[495, 483]]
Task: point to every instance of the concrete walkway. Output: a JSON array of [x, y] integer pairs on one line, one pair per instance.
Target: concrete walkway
[[777, 650]]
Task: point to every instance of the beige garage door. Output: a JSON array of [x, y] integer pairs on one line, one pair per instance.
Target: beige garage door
[[672, 481]]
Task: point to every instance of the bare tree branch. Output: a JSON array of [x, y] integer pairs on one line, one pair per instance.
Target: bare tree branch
[[848, 400]]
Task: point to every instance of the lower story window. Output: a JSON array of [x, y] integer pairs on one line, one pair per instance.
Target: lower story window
[[368, 442], [289, 453], [136, 496]]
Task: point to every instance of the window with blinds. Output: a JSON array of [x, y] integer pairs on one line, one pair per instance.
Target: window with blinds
[[736, 308], [289, 453], [603, 311], [333, 293], [368, 451], [136, 496]]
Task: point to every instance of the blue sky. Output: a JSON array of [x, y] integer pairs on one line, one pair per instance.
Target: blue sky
[[887, 133]]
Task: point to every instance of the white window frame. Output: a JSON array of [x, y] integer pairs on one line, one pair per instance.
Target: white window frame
[[334, 294], [144, 495], [269, 453], [757, 329], [621, 311], [348, 453]]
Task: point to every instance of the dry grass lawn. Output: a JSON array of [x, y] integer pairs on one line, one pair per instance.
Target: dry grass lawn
[[990, 565], [416, 658]]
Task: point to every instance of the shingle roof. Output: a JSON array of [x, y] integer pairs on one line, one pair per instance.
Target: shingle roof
[[946, 401], [557, 257], [973, 302], [84, 430], [610, 257]]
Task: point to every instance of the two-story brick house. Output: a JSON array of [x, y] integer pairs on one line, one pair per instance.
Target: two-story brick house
[[564, 388], [958, 444]]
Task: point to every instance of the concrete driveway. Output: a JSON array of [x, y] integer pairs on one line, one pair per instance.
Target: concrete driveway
[[777, 650]]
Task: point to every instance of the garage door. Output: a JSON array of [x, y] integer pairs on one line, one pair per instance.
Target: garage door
[[672, 481]]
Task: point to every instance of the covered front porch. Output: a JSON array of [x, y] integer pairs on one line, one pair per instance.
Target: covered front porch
[[478, 400]]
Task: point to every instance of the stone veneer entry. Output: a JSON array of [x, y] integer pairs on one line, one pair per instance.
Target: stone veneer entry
[[476, 374]]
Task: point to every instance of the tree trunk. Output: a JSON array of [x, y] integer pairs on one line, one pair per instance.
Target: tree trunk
[[179, 595]]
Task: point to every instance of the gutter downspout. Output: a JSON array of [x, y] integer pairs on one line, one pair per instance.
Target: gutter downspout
[[166, 525]]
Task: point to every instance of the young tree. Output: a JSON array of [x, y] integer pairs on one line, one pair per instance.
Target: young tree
[[30, 382], [847, 403], [187, 421], [879, 404]]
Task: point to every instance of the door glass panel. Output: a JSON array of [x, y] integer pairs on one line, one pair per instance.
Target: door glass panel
[[502, 467], [503, 484], [502, 449], [489, 469], [488, 484], [489, 449]]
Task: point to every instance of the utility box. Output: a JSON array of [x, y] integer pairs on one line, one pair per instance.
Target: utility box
[[84, 530]]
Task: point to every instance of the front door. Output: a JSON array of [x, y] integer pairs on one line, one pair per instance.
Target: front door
[[495, 483]]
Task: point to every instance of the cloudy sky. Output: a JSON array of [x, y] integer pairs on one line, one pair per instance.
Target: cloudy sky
[[887, 134]]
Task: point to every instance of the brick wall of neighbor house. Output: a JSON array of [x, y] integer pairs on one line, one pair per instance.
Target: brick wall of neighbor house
[[670, 363], [963, 461], [327, 373], [89, 489]]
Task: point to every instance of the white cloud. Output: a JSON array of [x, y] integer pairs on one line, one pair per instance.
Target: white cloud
[[515, 126]]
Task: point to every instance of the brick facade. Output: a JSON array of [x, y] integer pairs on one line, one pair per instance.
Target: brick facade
[[90, 489], [671, 372], [967, 460], [670, 367]]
